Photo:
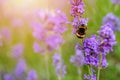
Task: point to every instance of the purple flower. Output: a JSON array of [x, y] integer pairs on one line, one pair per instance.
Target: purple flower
[[17, 50], [75, 2], [60, 18], [37, 48], [77, 8], [92, 60], [20, 69], [78, 59], [32, 75], [6, 34], [91, 51], [81, 8], [8, 77], [16, 22], [75, 24], [59, 29], [113, 20], [104, 62], [91, 45], [59, 65], [1, 43], [54, 41], [57, 22], [115, 1], [105, 47], [49, 31], [107, 33], [84, 21], [38, 31], [90, 77], [107, 38]]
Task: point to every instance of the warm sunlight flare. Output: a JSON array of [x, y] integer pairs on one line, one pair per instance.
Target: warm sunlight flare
[[24, 5]]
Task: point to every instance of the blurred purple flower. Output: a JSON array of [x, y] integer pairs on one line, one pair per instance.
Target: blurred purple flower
[[60, 21], [59, 29], [60, 18], [57, 22], [90, 77], [113, 20], [6, 33], [20, 69], [17, 50], [8, 77], [49, 31], [37, 48], [38, 31], [78, 59], [59, 65], [54, 41], [115, 1], [32, 75], [1, 43], [16, 22]]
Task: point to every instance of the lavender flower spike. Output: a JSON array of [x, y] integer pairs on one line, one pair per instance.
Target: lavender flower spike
[[54, 41], [113, 20], [32, 75], [20, 69], [8, 77], [17, 50], [90, 77], [115, 1], [91, 51], [108, 38], [78, 59], [77, 8], [59, 65]]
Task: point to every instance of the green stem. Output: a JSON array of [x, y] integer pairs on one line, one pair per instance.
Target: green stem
[[79, 74], [89, 69], [116, 7], [98, 74], [46, 66], [60, 76], [99, 68]]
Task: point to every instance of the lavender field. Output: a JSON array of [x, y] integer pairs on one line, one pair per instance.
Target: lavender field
[[59, 39]]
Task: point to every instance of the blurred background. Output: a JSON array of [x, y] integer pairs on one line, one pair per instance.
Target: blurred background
[[16, 17]]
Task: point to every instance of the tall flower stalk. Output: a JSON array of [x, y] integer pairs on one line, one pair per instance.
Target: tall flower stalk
[[77, 10], [48, 34], [60, 67], [96, 47]]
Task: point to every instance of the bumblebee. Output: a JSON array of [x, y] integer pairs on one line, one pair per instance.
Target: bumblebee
[[81, 31]]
